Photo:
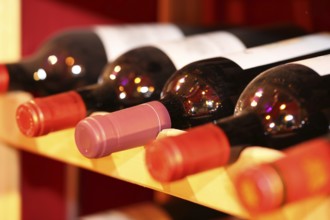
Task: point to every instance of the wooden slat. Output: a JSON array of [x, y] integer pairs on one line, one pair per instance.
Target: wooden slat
[[10, 197], [10, 31], [213, 188]]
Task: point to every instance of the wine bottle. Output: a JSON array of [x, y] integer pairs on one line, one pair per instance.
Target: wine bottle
[[135, 77], [304, 172], [75, 57], [198, 93], [281, 107], [174, 209]]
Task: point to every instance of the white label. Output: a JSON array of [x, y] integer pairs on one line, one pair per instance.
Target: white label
[[320, 64], [281, 51], [117, 39], [200, 46]]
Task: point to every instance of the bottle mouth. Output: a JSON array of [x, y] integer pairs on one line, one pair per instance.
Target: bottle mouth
[[29, 119], [4, 79], [92, 140]]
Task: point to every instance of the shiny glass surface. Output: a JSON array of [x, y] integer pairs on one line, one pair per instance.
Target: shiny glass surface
[[281, 112], [196, 95]]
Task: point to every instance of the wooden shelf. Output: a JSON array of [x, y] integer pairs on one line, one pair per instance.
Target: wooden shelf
[[212, 188]]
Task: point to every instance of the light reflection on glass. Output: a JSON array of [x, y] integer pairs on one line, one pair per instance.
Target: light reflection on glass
[[40, 74], [259, 93], [76, 69], [69, 61], [254, 103], [282, 107], [144, 89], [267, 117], [112, 76], [272, 125], [137, 80], [288, 118], [122, 95], [117, 68], [52, 59]]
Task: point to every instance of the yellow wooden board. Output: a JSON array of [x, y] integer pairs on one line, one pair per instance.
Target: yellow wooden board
[[213, 188], [10, 197]]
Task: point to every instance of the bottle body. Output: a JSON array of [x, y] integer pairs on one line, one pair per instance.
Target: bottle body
[[62, 63], [282, 106], [136, 76], [202, 91], [304, 172], [76, 57]]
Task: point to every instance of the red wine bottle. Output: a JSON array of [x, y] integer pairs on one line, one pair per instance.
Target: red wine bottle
[[198, 93], [75, 57], [281, 107], [304, 172], [135, 77]]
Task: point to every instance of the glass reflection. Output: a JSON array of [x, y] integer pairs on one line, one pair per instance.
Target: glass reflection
[[281, 111], [58, 64], [40, 74], [197, 96], [130, 85]]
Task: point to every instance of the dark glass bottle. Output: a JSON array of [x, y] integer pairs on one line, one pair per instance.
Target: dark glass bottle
[[304, 172], [198, 93], [75, 57], [135, 77], [282, 106]]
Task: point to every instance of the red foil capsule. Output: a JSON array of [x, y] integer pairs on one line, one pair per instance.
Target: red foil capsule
[[36, 117], [173, 158], [4, 79], [302, 173]]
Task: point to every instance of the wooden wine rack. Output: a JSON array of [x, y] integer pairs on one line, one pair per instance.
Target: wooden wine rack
[[10, 199], [213, 188]]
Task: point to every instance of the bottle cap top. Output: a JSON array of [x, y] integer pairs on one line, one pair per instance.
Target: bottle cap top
[[40, 116], [259, 188], [101, 135], [199, 149], [28, 117], [4, 78]]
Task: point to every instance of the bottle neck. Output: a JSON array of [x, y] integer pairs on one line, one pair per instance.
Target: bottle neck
[[176, 111], [99, 97], [244, 129]]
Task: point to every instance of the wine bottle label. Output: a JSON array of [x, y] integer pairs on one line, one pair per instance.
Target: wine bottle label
[[201, 46], [118, 39], [281, 51], [320, 64]]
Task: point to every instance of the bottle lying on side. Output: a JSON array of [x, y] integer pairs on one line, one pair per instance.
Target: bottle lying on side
[[138, 76], [75, 57], [304, 172], [198, 93], [282, 106]]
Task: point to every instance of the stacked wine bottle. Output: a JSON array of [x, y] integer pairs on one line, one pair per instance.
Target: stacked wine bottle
[[226, 90]]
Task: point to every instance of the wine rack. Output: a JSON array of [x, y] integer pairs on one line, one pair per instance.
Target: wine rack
[[10, 198], [213, 188]]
